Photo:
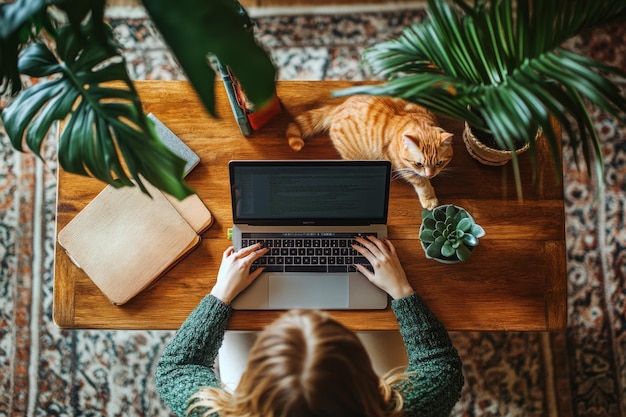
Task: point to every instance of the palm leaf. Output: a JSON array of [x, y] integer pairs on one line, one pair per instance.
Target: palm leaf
[[505, 60], [106, 133]]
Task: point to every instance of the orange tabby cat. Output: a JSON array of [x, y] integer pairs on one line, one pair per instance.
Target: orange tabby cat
[[371, 127]]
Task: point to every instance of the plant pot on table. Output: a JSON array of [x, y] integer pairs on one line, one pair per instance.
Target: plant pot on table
[[449, 234], [481, 146]]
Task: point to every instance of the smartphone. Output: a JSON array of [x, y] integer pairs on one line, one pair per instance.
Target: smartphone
[[249, 117]]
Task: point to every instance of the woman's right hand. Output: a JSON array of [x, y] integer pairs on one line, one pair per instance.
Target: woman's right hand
[[388, 273], [234, 275]]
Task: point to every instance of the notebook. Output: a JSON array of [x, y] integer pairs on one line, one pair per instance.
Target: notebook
[[175, 144], [306, 207], [124, 240]]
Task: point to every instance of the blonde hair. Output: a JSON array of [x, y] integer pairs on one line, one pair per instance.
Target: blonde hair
[[305, 364]]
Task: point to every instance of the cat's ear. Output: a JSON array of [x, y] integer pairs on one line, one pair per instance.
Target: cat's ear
[[445, 137], [409, 142]]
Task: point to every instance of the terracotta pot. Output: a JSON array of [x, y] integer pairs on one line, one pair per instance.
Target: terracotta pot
[[485, 154]]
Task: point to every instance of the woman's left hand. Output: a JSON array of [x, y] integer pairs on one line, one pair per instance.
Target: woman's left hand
[[234, 275]]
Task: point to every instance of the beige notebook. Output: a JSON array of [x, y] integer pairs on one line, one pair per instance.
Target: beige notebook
[[124, 240]]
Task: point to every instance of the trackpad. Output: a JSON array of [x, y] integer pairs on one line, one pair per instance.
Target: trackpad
[[308, 291]]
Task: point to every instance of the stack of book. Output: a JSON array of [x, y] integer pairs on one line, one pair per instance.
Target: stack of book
[[124, 240]]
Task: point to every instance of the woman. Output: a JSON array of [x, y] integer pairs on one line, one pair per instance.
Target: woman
[[306, 363]]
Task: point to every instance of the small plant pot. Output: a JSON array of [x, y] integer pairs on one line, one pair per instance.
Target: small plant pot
[[485, 154], [449, 261], [449, 234]]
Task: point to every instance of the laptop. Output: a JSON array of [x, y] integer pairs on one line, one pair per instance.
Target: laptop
[[308, 213]]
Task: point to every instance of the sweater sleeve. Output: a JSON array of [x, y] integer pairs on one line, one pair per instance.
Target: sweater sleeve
[[435, 375], [186, 364]]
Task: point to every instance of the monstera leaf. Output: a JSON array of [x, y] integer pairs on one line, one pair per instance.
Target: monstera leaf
[[85, 83], [194, 29], [14, 32], [105, 134]]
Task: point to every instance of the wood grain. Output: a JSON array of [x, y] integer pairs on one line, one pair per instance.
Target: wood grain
[[514, 281]]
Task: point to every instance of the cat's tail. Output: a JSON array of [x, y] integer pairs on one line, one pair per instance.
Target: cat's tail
[[308, 124]]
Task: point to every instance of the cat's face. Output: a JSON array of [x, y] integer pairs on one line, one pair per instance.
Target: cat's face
[[428, 154]]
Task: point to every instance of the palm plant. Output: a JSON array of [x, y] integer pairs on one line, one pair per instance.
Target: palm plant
[[85, 83], [505, 60]]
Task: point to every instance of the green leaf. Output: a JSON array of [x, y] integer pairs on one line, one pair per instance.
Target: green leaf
[[470, 240], [477, 231], [439, 214], [447, 250], [10, 80], [505, 60], [19, 23], [463, 253], [38, 61], [14, 15], [451, 211], [434, 250], [105, 134], [427, 236], [429, 223], [462, 214], [196, 28], [464, 225]]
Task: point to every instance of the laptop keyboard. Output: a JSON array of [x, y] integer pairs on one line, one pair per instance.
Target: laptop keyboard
[[307, 252]]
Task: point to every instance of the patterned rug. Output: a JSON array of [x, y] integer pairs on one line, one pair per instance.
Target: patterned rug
[[579, 372]]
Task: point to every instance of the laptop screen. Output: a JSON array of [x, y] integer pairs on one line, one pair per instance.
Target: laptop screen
[[309, 192]]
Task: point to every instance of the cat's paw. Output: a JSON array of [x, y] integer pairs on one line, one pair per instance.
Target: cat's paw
[[296, 143], [294, 137], [430, 203]]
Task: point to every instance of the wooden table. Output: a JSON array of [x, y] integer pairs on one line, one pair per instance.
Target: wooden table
[[515, 280]]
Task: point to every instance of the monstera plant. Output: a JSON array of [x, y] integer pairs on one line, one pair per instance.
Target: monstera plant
[[80, 76], [501, 65]]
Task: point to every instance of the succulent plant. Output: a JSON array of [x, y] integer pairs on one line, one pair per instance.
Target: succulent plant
[[449, 233]]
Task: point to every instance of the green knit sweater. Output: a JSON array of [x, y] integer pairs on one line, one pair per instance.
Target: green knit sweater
[[432, 389]]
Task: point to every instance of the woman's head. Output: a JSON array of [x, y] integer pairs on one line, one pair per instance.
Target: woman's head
[[307, 364]]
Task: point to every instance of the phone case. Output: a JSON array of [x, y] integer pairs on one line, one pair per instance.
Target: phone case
[[248, 116]]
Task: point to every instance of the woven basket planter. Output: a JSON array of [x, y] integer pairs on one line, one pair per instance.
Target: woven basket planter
[[485, 154]]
